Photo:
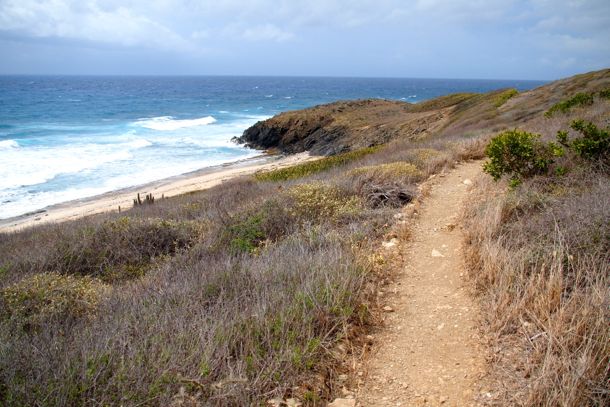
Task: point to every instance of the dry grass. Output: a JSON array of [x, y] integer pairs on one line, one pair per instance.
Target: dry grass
[[540, 260], [230, 296], [247, 291]]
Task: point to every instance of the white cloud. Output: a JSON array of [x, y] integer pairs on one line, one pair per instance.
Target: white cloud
[[530, 30], [88, 21], [267, 32]]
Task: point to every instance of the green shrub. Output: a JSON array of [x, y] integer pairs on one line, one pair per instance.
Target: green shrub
[[605, 94], [579, 99], [42, 297], [518, 154], [252, 229], [504, 96], [313, 167], [593, 145]]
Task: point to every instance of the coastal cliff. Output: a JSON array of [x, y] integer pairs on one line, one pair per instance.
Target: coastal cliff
[[348, 125]]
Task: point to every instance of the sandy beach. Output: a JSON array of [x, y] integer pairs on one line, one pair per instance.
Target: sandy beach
[[110, 201]]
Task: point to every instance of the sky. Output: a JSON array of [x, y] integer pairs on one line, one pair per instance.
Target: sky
[[487, 39]]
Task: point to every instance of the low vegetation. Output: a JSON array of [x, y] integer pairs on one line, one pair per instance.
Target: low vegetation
[[539, 255], [519, 154], [504, 96], [230, 296], [313, 167], [259, 288], [46, 297], [578, 100]]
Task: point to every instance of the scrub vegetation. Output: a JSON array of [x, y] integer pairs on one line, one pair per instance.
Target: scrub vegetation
[[262, 287]]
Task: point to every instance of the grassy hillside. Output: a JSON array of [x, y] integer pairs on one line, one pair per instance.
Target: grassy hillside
[[260, 288], [540, 260]]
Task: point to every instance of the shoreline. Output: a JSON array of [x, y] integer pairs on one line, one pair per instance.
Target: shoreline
[[197, 180]]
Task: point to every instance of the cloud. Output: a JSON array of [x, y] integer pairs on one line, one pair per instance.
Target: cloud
[[503, 36], [86, 21], [267, 32]]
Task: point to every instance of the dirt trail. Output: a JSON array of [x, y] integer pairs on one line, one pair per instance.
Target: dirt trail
[[429, 352]]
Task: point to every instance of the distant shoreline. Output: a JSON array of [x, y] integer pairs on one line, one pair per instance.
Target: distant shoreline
[[201, 179]]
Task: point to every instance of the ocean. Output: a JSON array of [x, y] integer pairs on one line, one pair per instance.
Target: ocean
[[69, 137]]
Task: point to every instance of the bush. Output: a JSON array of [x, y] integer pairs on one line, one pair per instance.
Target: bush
[[119, 249], [313, 167], [593, 145], [518, 154], [318, 201], [386, 184], [252, 229], [579, 99], [43, 297], [605, 94]]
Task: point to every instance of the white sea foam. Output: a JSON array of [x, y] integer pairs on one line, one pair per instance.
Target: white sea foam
[[6, 144], [168, 123], [138, 143], [33, 176], [33, 166]]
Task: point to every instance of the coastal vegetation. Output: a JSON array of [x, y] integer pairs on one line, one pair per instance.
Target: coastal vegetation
[[539, 258], [264, 287], [308, 168]]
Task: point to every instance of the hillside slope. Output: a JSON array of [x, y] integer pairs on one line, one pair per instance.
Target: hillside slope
[[342, 126], [262, 290]]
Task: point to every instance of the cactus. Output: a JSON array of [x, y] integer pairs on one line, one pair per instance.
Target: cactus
[[148, 199]]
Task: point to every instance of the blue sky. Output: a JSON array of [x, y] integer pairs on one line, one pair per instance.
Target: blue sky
[[495, 39]]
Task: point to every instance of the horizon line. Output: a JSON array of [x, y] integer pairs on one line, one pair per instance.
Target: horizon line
[[273, 76]]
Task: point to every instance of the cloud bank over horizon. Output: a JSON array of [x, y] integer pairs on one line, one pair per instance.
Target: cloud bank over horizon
[[537, 39]]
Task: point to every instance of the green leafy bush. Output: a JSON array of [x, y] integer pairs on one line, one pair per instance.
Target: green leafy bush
[[605, 94], [593, 145], [579, 99], [518, 154], [312, 167]]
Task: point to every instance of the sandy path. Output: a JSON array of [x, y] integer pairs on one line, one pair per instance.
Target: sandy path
[[181, 184], [429, 353]]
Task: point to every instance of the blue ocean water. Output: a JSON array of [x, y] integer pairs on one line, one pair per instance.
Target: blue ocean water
[[69, 137]]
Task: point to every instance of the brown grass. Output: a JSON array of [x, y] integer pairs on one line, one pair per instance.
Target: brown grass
[[230, 296], [248, 291], [540, 260]]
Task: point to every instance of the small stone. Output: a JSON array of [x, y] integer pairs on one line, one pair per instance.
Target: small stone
[[293, 403], [387, 308], [436, 253], [467, 182], [393, 242], [343, 403], [443, 399]]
